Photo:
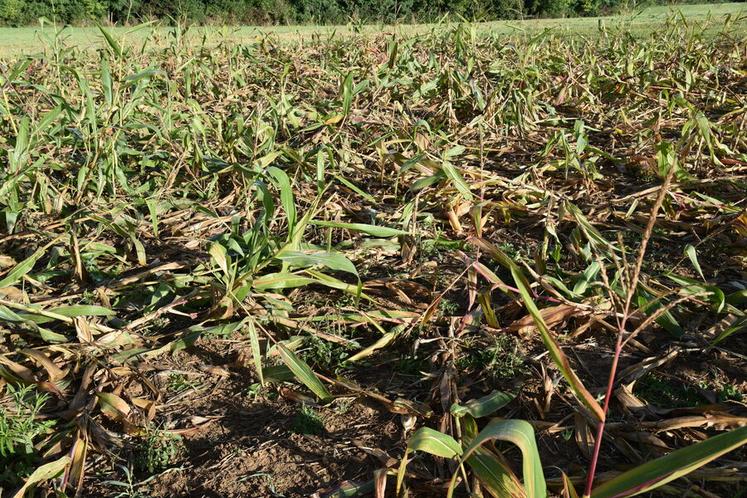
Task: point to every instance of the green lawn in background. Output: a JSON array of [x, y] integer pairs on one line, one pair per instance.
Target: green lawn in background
[[28, 40]]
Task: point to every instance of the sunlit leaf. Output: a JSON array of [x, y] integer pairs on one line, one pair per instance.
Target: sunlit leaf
[[482, 407], [43, 473], [679, 463], [303, 373], [373, 230]]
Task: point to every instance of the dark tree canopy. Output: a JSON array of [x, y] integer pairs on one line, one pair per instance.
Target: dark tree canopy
[[23, 12]]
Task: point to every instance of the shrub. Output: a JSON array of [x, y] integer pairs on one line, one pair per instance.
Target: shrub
[[19, 12], [11, 11]]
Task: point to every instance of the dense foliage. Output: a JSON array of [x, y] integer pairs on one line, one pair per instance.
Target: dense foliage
[[20, 12]]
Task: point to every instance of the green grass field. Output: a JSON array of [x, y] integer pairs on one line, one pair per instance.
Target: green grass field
[[33, 39]]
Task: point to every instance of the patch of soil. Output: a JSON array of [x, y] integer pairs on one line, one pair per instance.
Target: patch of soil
[[244, 446], [252, 452]]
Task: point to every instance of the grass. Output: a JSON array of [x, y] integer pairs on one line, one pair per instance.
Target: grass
[[28, 40], [20, 431], [197, 239]]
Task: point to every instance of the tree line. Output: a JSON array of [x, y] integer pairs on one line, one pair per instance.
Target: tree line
[[25, 12]]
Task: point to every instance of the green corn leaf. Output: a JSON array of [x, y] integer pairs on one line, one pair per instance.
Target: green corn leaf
[[434, 442], [305, 259], [373, 230], [347, 93], [19, 68], [221, 258], [588, 276], [268, 158], [335, 283], [281, 280], [648, 304], [713, 294], [676, 464], [303, 373], [704, 127], [492, 471], [422, 183], [382, 342], [256, 352], [82, 310], [106, 81], [737, 298], [482, 407], [20, 148], [43, 473], [22, 268], [591, 232], [9, 315], [738, 326], [520, 433], [569, 489], [113, 44], [429, 441], [455, 151], [320, 170], [145, 74], [352, 489], [495, 475], [453, 174], [113, 406], [152, 205], [561, 287], [140, 251], [48, 119], [283, 183], [275, 374], [693, 256], [51, 337], [352, 186]]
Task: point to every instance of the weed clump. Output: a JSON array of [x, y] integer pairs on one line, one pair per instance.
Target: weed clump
[[307, 422], [20, 430], [158, 450], [499, 358]]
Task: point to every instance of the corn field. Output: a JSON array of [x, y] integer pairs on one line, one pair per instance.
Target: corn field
[[441, 264]]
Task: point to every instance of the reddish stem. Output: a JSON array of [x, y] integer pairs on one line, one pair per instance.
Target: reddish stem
[[600, 426], [621, 325]]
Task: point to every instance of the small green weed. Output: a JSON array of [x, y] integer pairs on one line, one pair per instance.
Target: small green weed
[[447, 307], [129, 486], [500, 360], [730, 392], [663, 392], [179, 383], [325, 355], [256, 391], [432, 247], [158, 451], [20, 431], [308, 422], [343, 405], [412, 365]]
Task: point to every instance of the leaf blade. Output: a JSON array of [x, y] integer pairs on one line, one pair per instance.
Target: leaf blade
[[676, 464], [303, 373], [520, 433]]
